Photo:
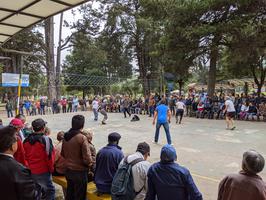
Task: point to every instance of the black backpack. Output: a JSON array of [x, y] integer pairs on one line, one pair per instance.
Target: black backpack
[[123, 183]]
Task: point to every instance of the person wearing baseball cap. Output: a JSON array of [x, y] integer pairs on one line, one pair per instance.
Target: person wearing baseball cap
[[20, 153], [246, 185], [169, 180], [40, 155], [107, 162]]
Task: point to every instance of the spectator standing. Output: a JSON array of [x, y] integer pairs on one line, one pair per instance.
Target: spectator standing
[[40, 154], [246, 185], [9, 108], [27, 106], [64, 105], [107, 162], [69, 105], [76, 151], [75, 104], [16, 181], [169, 180], [42, 106], [60, 162], [162, 116]]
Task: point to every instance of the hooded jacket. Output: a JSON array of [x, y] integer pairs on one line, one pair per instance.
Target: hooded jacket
[[76, 151], [39, 153], [168, 180]]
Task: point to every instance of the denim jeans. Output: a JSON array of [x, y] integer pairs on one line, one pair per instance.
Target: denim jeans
[[9, 113], [45, 181], [167, 132], [95, 112]]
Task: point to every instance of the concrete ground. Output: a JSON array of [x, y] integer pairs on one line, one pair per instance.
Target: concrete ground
[[203, 146]]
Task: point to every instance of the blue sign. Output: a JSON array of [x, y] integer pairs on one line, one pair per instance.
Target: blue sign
[[12, 80]]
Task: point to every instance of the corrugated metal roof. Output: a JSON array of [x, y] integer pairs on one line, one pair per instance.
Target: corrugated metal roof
[[16, 15]]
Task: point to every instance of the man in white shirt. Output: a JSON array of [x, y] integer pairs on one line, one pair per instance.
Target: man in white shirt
[[230, 113], [180, 107], [95, 106]]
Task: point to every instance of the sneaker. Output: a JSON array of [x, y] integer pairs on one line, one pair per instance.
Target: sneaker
[[154, 142], [233, 128], [103, 123]]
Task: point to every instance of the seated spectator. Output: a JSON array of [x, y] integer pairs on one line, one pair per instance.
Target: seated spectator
[[76, 151], [21, 132], [139, 169], [40, 153], [16, 181], [19, 155], [246, 185], [252, 111], [89, 134], [107, 162], [169, 180], [262, 110], [59, 163], [200, 110], [243, 111]]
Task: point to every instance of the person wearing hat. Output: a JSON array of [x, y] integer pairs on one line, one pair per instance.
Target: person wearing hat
[[40, 155], [140, 169], [169, 180], [246, 185], [20, 153], [230, 113], [107, 162]]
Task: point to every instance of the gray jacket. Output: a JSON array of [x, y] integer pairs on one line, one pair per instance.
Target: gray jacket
[[139, 172]]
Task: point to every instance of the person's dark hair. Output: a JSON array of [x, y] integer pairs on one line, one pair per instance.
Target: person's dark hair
[[7, 138], [20, 116], [78, 122], [253, 162], [163, 101]]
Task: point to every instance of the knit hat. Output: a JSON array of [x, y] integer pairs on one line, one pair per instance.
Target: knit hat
[[168, 153], [253, 162], [143, 148]]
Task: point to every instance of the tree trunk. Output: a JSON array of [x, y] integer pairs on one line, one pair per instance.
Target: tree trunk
[[212, 71], [58, 59], [49, 42]]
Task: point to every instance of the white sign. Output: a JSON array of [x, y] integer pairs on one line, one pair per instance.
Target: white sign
[[12, 80]]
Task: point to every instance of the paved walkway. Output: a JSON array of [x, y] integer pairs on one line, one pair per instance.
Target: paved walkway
[[203, 146]]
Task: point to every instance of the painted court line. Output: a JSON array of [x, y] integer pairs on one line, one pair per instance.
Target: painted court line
[[205, 178]]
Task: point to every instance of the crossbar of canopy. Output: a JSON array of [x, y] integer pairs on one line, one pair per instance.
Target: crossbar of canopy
[[17, 15]]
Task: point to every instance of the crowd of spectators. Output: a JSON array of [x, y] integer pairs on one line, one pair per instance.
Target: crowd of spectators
[[29, 160]]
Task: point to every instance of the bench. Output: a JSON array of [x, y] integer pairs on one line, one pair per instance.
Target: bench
[[91, 189]]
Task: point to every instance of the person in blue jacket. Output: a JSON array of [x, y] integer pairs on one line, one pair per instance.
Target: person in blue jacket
[[107, 162], [169, 180]]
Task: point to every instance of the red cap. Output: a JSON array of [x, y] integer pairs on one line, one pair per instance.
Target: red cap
[[16, 123]]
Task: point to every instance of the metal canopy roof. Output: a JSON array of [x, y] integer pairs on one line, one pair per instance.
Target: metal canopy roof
[[16, 15]]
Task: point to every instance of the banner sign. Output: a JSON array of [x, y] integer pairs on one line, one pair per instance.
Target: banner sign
[[11, 80]]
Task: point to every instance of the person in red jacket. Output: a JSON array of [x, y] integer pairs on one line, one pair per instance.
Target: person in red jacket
[[20, 153], [40, 155]]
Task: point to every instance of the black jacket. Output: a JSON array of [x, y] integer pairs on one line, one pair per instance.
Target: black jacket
[[16, 182]]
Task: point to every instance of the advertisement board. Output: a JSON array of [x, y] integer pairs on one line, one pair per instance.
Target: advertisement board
[[12, 80]]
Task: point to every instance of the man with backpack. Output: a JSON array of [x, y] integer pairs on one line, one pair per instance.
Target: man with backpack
[[133, 184]]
